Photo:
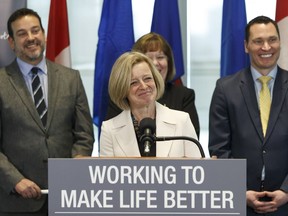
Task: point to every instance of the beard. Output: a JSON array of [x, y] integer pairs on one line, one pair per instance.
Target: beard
[[28, 54]]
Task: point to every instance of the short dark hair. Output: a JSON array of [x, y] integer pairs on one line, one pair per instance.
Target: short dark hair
[[260, 20], [19, 14]]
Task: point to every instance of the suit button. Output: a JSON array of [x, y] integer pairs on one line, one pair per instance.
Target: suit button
[[264, 151]]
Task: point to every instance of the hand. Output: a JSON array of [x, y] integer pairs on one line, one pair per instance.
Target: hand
[[28, 189], [279, 197], [253, 200], [81, 156]]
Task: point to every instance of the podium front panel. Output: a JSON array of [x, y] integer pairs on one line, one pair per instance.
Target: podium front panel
[[142, 186]]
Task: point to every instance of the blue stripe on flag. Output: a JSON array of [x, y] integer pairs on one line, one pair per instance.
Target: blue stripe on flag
[[166, 22], [116, 36], [233, 56]]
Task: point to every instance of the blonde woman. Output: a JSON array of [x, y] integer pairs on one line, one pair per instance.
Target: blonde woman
[[134, 86]]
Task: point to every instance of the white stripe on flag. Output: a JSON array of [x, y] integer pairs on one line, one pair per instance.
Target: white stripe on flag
[[64, 57], [283, 27]]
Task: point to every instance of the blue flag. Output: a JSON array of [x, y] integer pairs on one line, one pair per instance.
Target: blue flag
[[233, 56], [166, 22], [116, 36]]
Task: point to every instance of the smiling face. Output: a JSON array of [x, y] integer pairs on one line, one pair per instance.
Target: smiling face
[[160, 61], [263, 47], [143, 90], [28, 40]]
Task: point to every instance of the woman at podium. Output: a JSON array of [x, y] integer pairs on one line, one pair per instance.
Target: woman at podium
[[134, 86]]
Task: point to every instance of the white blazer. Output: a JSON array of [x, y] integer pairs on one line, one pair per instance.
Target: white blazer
[[118, 138]]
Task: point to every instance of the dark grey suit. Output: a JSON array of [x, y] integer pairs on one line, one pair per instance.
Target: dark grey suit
[[235, 130], [25, 145]]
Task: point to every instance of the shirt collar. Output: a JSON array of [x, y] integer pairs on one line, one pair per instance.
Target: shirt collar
[[256, 74], [25, 68]]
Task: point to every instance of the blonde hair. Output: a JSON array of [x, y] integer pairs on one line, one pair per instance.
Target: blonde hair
[[120, 78]]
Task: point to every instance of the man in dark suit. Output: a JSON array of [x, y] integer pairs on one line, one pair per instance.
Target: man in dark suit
[[26, 140], [235, 126]]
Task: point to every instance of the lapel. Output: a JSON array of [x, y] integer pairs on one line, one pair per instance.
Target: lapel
[[53, 88], [279, 95], [249, 96], [18, 83], [125, 139], [124, 134], [165, 126]]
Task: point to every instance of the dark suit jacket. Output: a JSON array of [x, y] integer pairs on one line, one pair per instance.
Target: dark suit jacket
[[235, 130], [175, 97], [25, 145]]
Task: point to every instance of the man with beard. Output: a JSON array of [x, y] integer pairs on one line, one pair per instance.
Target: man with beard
[[44, 113]]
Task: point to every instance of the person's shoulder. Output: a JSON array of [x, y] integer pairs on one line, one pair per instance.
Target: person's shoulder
[[283, 71], [181, 89], [58, 67], [236, 77], [3, 71], [117, 121], [9, 69], [282, 75], [11, 66], [171, 113]]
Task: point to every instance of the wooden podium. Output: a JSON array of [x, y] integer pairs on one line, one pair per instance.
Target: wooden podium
[[147, 186]]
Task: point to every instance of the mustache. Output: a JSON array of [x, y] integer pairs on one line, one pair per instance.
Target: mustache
[[32, 42]]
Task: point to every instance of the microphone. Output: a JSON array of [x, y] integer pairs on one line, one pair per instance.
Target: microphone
[[147, 127], [197, 143]]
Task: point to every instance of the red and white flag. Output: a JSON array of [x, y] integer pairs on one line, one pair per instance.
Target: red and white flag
[[282, 20], [58, 42]]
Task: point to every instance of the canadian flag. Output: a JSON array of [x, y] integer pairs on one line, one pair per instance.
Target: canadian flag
[[58, 43], [282, 20]]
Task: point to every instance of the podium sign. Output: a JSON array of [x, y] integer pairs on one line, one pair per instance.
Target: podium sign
[[141, 186]]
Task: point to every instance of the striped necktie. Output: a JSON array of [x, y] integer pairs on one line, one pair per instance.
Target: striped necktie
[[264, 102], [38, 96]]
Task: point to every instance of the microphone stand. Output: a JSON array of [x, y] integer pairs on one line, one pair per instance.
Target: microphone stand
[[183, 138]]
